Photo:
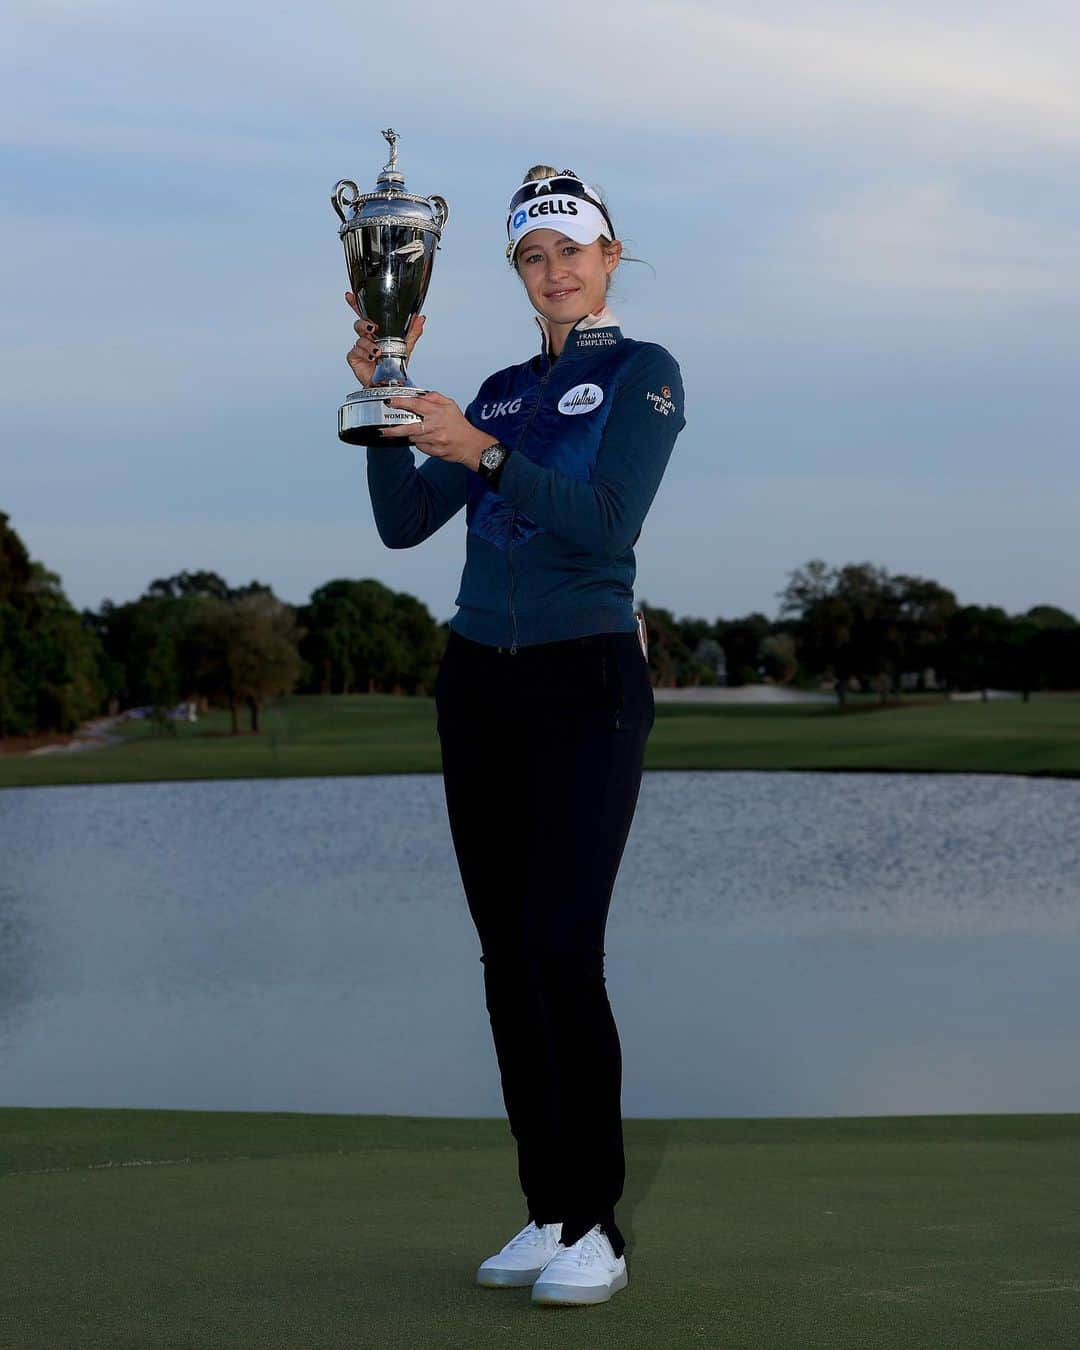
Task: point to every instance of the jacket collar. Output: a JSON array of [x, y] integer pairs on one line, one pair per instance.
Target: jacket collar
[[594, 332]]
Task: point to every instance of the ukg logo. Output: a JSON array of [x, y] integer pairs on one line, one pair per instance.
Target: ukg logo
[[507, 409]]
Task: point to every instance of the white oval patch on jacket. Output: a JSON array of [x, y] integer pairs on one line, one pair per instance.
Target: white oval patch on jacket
[[582, 398]]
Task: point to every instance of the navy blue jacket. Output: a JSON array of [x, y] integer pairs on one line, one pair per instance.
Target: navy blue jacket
[[550, 554]]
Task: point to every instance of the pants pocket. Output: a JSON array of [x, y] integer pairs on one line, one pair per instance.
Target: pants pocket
[[629, 687]]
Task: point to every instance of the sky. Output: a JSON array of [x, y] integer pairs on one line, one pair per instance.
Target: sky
[[862, 220]]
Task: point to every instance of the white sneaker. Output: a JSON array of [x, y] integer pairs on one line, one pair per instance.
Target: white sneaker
[[587, 1271], [523, 1257]]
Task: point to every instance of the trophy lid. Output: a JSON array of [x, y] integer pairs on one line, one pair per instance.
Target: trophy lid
[[390, 203]]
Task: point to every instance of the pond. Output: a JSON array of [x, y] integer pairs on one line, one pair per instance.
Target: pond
[[779, 944]]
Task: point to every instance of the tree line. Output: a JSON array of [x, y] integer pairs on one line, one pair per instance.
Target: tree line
[[856, 627], [194, 637]]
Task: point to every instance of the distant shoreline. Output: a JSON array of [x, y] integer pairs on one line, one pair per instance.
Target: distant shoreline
[[351, 735]]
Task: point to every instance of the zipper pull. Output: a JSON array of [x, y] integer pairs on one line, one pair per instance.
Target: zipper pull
[[513, 648]]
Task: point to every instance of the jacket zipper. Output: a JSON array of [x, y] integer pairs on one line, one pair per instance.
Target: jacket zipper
[[513, 513], [510, 565]]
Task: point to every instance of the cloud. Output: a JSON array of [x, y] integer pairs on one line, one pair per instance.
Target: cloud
[[926, 236], [970, 71], [266, 76]]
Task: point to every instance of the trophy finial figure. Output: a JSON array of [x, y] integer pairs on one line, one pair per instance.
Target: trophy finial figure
[[392, 139]]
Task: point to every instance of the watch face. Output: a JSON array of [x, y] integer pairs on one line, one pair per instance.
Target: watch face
[[492, 457]]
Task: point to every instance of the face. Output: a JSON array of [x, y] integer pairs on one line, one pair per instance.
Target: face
[[565, 280]]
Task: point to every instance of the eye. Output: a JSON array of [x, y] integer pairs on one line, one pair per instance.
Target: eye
[[533, 257], [571, 248]]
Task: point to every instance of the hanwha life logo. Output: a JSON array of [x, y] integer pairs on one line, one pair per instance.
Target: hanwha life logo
[[583, 398]]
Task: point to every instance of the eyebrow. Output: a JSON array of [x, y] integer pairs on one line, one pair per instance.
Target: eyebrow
[[562, 239]]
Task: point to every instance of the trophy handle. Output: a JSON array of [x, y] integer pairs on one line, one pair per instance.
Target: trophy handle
[[442, 210], [339, 199]]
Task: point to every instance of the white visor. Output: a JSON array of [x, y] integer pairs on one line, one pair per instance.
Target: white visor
[[575, 217]]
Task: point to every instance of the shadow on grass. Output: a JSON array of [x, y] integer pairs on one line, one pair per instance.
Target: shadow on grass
[[646, 1147]]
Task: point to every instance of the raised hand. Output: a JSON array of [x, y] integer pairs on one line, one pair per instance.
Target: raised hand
[[446, 432], [364, 354]]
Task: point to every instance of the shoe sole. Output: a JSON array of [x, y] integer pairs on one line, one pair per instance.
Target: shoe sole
[[577, 1296], [507, 1279]]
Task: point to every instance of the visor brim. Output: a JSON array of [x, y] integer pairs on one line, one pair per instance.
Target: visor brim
[[580, 231]]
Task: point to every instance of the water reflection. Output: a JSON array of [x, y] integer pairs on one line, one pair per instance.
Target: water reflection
[[779, 944]]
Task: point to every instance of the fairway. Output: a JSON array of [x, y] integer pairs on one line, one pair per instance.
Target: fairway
[[381, 734], [191, 1229]]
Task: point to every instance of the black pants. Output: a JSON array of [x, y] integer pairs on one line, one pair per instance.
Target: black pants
[[542, 753]]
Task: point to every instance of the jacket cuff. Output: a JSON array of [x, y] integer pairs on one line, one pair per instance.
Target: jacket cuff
[[517, 478]]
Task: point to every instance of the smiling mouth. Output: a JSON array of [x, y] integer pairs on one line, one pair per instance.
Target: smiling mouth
[[560, 295]]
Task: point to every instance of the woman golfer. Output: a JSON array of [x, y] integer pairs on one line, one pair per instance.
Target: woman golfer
[[544, 701]]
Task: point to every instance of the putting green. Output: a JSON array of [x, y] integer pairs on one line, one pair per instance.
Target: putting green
[[191, 1229]]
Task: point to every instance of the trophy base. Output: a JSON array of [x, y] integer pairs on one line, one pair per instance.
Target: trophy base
[[365, 415]]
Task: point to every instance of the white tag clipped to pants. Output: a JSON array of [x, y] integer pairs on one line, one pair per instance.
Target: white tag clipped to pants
[[643, 634]]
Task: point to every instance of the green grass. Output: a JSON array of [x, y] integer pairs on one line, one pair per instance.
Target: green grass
[[193, 1229], [378, 733]]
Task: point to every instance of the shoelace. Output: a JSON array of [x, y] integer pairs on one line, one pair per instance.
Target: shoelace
[[590, 1248], [530, 1236]]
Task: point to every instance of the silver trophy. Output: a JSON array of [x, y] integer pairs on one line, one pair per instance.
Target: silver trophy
[[390, 237]]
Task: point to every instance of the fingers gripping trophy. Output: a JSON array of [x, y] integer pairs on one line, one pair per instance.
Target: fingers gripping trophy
[[390, 238]]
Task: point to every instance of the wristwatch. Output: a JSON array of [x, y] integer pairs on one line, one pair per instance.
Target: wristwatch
[[492, 461]]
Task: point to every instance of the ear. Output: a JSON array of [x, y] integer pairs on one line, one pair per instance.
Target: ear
[[612, 254]]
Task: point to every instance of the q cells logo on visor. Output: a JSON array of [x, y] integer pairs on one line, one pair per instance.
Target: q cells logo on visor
[[582, 398], [539, 211], [553, 206]]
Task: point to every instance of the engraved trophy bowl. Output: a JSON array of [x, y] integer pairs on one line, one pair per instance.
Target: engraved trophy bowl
[[390, 237]]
